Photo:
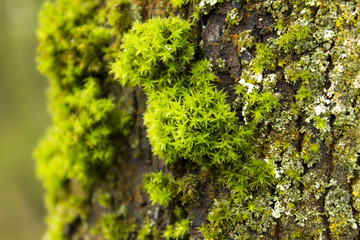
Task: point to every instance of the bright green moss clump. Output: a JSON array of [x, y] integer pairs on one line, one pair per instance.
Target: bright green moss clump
[[186, 116], [155, 53], [194, 122]]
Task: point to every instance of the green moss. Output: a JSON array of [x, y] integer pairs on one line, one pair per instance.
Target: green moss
[[64, 215], [186, 188], [196, 125], [103, 198], [177, 231], [120, 15], [220, 218], [179, 3], [295, 37], [256, 105], [149, 231], [304, 94], [146, 232], [252, 175], [239, 220], [73, 43], [161, 188], [188, 118], [81, 136], [113, 226], [264, 59], [156, 53]]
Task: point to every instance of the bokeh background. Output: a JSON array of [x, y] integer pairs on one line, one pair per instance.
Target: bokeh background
[[23, 120]]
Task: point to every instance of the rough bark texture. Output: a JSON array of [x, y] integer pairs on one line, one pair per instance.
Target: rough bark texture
[[290, 70]]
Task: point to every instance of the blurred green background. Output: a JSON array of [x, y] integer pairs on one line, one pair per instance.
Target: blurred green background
[[23, 119]]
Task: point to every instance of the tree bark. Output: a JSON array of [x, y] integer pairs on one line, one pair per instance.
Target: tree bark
[[303, 54]]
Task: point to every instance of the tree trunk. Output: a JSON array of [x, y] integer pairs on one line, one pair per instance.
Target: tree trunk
[[277, 159]]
